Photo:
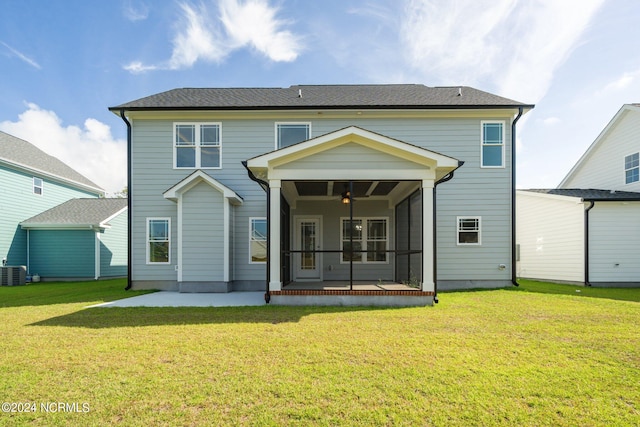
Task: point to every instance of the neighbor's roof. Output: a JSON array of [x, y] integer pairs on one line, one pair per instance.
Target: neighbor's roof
[[591, 194], [78, 212], [395, 96], [23, 154]]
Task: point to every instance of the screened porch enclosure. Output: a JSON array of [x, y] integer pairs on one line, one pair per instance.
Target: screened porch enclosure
[[351, 235]]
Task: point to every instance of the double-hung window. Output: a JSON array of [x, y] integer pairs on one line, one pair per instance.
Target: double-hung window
[[492, 150], [369, 237], [291, 133], [258, 240], [38, 186], [158, 240], [632, 168], [197, 145], [468, 230]]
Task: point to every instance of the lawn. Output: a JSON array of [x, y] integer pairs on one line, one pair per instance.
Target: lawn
[[536, 355]]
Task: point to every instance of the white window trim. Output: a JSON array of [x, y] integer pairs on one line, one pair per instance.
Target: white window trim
[[624, 166], [41, 186], [482, 144], [275, 127], [147, 239], [479, 218], [364, 239], [197, 133], [251, 219]]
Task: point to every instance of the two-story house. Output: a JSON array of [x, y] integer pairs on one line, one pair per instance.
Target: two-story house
[[35, 186], [587, 230], [329, 194]]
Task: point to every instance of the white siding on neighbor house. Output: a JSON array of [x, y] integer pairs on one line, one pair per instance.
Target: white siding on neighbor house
[[614, 242], [550, 232], [472, 192], [603, 168], [203, 234]]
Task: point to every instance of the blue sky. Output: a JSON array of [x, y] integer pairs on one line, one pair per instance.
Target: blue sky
[[63, 63]]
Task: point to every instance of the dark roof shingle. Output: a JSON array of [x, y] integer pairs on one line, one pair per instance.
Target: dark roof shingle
[[591, 194], [21, 153], [78, 212], [322, 96]]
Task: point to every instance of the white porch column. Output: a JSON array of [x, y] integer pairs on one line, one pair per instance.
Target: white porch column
[[274, 235], [427, 236]]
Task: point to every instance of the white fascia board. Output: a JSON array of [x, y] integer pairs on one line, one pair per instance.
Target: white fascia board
[[596, 143], [194, 179], [105, 223]]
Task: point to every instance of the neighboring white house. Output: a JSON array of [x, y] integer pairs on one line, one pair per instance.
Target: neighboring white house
[[588, 229], [322, 194]]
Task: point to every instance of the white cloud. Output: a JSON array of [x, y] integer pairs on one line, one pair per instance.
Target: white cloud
[[91, 149], [513, 46], [622, 82], [550, 121], [135, 12], [240, 24], [22, 56]]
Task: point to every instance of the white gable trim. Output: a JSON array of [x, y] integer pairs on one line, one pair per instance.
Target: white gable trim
[[194, 179], [613, 123], [390, 146]]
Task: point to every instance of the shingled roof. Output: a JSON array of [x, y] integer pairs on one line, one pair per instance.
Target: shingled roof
[[394, 96], [23, 154], [591, 194], [77, 213]]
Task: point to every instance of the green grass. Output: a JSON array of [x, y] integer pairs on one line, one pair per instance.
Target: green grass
[[537, 355]]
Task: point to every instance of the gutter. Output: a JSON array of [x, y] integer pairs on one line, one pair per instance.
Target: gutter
[[592, 203], [129, 210], [445, 178], [265, 186], [513, 197]]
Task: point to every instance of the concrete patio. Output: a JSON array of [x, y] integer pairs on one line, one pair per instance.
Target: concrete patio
[[177, 299]]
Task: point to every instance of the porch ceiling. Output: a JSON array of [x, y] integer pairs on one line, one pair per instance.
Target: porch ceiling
[[362, 190]]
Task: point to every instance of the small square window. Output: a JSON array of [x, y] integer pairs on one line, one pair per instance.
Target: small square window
[[197, 145], [468, 230]]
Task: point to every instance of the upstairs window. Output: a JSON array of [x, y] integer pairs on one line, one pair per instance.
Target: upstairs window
[[632, 168], [197, 145], [38, 186], [291, 133], [469, 230], [492, 152]]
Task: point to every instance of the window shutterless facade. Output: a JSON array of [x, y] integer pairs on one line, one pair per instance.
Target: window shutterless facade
[[492, 144], [632, 168], [197, 146], [257, 240], [468, 230], [38, 186], [158, 240], [291, 133], [370, 240]]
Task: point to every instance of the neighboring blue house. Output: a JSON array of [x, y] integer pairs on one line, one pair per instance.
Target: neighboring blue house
[[322, 194], [79, 239], [33, 182]]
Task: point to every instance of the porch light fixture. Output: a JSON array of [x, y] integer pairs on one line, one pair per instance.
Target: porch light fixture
[[346, 197]]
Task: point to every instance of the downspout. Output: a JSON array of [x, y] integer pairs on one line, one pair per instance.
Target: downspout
[[129, 210], [265, 186], [513, 197], [445, 178], [586, 242]]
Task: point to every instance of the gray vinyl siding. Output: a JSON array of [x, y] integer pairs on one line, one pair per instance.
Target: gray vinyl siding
[[202, 234], [473, 191], [113, 248], [18, 203], [62, 254], [614, 237]]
